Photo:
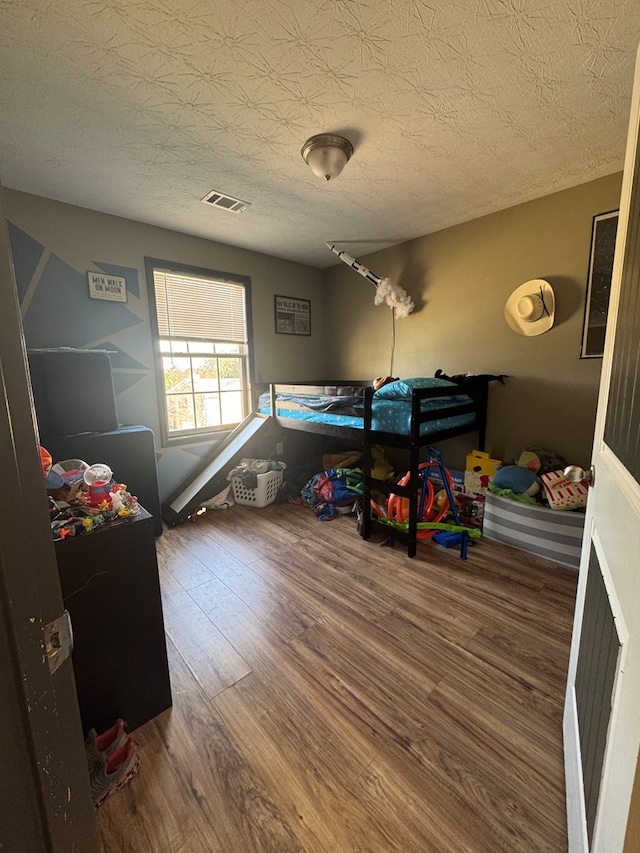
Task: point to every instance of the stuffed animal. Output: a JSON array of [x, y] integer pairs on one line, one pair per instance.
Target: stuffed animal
[[519, 480], [461, 378], [380, 381], [381, 468], [540, 460]]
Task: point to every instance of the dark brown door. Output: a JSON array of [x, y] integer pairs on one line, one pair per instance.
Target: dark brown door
[[45, 803]]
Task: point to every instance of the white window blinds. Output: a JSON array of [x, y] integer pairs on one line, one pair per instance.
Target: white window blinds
[[199, 308]]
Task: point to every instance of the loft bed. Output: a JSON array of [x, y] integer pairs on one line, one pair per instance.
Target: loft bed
[[409, 414], [437, 408]]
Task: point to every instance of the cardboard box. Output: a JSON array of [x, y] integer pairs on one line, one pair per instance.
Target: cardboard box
[[475, 484], [481, 463], [562, 493], [470, 506], [549, 533], [479, 467], [457, 479], [470, 509]]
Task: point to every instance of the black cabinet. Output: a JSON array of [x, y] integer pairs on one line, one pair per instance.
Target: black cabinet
[[75, 405], [130, 452], [111, 589]]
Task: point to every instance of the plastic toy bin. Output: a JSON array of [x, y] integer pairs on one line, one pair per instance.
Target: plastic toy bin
[[263, 494]]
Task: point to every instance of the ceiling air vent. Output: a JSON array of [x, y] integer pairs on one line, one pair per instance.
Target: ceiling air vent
[[226, 202]]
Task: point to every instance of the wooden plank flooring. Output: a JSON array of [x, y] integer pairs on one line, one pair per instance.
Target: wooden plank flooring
[[333, 695]]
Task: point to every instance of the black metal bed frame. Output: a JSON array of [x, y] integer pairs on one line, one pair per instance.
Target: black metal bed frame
[[475, 387]]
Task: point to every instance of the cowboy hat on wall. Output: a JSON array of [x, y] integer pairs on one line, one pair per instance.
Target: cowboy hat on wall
[[530, 310]]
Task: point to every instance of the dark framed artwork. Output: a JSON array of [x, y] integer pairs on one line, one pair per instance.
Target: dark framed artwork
[[293, 315], [603, 243]]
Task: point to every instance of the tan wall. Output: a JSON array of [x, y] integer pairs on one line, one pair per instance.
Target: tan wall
[[460, 279], [81, 238]]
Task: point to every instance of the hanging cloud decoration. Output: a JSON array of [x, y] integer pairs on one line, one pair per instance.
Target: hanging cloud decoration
[[387, 291], [395, 296]]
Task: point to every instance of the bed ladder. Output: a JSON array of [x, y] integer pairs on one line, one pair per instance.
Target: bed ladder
[[416, 498], [435, 455]]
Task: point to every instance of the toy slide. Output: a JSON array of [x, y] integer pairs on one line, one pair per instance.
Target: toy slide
[[211, 477]]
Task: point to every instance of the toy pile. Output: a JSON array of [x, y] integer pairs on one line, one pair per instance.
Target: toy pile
[[333, 492], [337, 489], [83, 497], [537, 477]]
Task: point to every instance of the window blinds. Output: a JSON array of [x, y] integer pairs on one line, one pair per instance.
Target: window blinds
[[196, 308]]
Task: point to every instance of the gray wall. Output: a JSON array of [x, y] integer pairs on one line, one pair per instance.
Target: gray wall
[[460, 279], [54, 245]]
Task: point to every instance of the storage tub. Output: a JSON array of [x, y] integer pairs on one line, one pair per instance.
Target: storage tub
[[265, 492], [550, 533]]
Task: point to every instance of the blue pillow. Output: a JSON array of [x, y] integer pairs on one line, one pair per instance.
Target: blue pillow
[[401, 389]]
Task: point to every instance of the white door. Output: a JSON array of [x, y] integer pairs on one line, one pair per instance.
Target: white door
[[602, 710]]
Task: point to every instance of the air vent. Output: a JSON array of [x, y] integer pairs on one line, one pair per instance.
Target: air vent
[[226, 202]]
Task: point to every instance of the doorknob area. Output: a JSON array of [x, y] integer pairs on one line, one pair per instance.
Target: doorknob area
[[576, 474]]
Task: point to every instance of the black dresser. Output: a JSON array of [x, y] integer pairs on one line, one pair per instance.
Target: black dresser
[[110, 586]]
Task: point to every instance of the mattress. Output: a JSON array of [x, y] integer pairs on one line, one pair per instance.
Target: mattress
[[391, 416]]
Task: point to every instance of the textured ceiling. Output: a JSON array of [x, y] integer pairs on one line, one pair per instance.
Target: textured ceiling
[[455, 108]]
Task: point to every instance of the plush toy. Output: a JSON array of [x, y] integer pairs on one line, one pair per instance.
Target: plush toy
[[540, 460], [381, 468], [381, 381], [519, 480]]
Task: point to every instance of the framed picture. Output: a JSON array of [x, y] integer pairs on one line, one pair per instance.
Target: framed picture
[[110, 287], [293, 316], [603, 242]]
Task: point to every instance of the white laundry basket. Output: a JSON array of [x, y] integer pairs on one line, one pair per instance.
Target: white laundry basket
[[264, 493]]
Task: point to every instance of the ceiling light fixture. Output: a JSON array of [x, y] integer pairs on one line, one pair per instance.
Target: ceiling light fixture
[[327, 154]]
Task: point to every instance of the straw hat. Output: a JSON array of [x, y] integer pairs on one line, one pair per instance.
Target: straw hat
[[530, 309]]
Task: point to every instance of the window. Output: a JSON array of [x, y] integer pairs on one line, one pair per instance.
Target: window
[[201, 321]]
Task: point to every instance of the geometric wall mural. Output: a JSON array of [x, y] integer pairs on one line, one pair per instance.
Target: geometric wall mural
[[61, 314], [124, 381], [128, 273], [58, 312], [119, 358], [26, 256]]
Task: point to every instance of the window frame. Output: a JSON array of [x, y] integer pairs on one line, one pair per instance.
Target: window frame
[[151, 264]]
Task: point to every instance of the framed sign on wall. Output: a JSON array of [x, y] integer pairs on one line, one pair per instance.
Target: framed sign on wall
[[111, 287], [293, 315], [603, 243]]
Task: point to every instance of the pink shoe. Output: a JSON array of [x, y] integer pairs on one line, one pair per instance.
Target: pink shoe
[[99, 745], [113, 772]]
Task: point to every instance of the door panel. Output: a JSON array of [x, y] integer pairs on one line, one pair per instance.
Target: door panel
[[19, 803], [621, 431], [598, 799], [595, 676], [52, 765]]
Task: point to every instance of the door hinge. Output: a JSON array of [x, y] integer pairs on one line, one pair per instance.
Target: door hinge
[[58, 640]]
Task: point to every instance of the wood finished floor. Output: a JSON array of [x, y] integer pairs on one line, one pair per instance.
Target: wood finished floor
[[331, 694]]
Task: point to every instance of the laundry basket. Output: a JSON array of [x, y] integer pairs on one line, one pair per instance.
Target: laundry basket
[[263, 494]]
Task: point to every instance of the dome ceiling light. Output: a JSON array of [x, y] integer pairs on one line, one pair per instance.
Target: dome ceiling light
[[327, 154]]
